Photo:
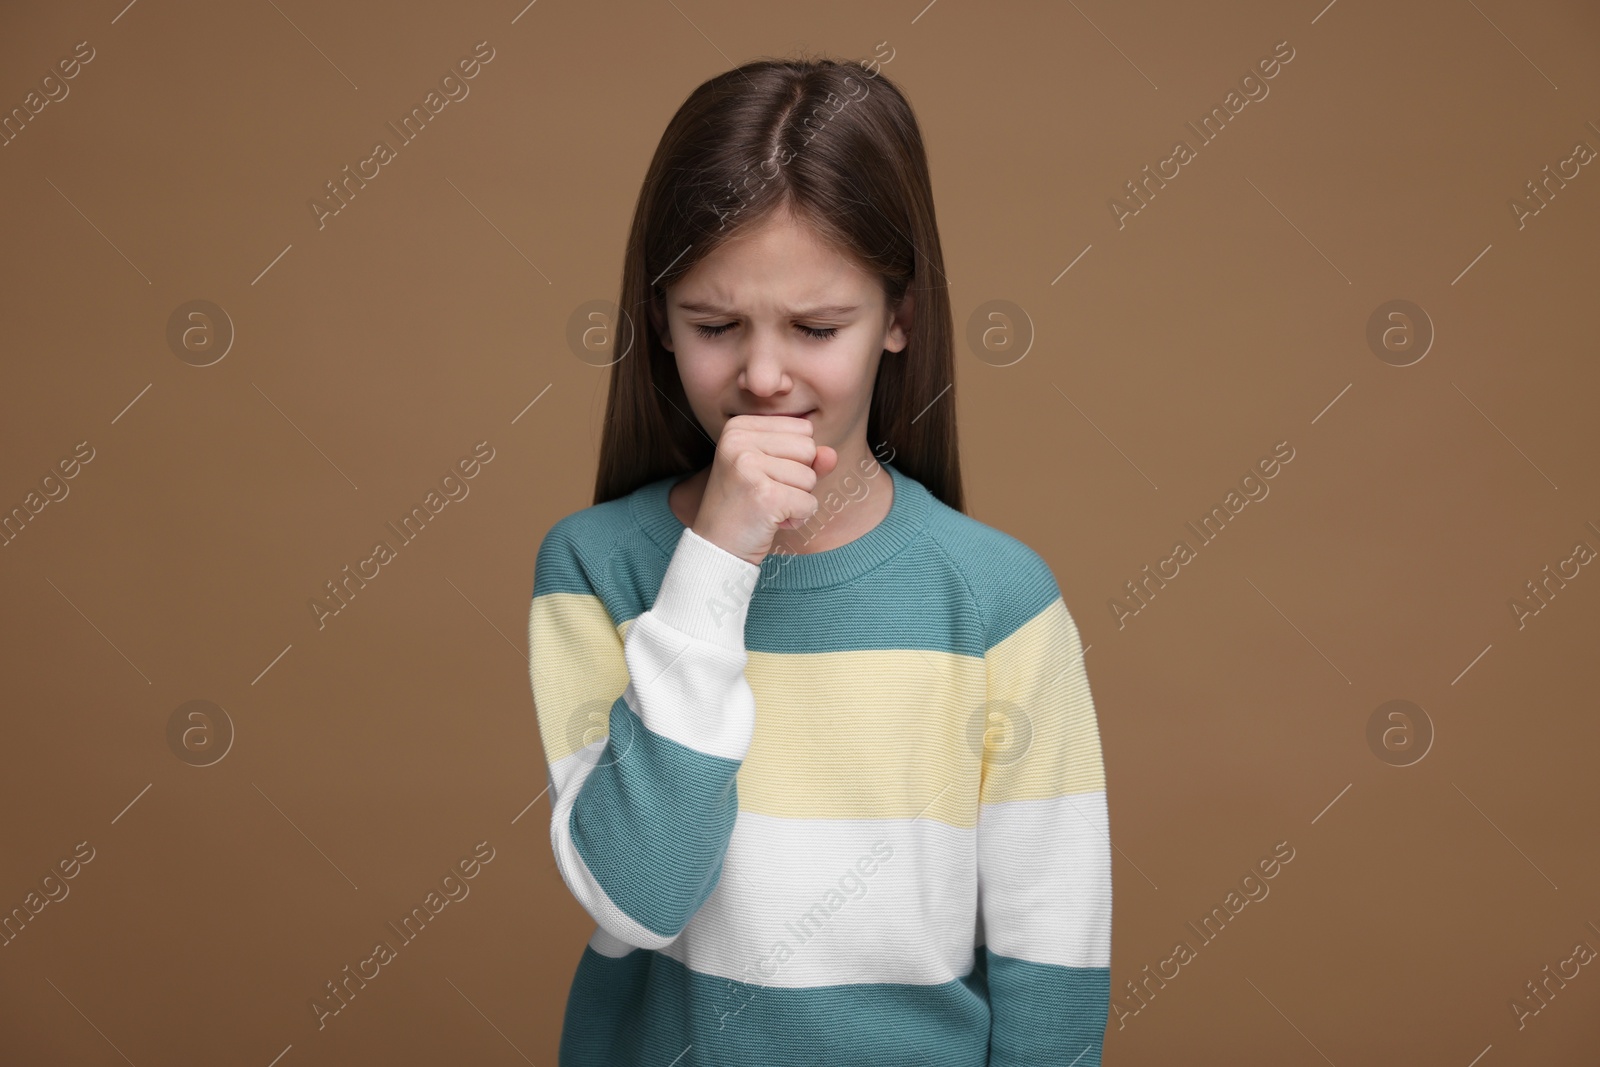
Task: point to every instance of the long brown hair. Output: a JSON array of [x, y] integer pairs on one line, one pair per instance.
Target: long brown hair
[[840, 149]]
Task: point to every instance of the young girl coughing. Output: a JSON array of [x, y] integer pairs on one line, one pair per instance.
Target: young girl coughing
[[824, 766]]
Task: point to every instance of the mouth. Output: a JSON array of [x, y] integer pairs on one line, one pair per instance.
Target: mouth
[[788, 414]]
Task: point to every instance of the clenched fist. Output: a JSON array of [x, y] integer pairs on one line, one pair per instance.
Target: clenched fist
[[760, 482]]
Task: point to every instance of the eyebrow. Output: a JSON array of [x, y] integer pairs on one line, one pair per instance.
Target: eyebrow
[[827, 311]]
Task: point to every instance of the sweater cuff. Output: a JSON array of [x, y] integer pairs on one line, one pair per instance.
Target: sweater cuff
[[706, 592]]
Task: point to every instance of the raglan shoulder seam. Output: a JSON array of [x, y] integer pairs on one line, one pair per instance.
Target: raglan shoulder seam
[[966, 583], [1012, 593], [598, 565]]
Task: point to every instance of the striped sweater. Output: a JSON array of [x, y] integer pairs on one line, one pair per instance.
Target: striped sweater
[[845, 807]]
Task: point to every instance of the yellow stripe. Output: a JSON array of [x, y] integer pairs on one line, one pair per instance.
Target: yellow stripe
[[577, 670], [1044, 738], [845, 735]]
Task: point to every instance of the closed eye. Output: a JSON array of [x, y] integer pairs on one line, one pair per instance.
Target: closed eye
[[820, 334]]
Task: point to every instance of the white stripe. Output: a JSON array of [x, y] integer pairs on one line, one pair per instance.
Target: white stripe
[[607, 945], [907, 918], [688, 690], [1046, 879], [911, 918]]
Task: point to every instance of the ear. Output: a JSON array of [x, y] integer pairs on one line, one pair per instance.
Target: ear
[[899, 333], [658, 319]]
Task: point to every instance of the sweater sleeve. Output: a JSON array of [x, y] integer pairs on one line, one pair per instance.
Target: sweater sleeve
[[643, 736], [1044, 851]]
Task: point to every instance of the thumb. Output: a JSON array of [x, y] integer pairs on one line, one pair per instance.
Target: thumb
[[827, 459]]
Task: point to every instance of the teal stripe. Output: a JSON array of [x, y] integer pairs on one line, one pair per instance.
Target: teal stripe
[[1044, 1013], [886, 608], [652, 822], [987, 583], [648, 1009], [1010, 582], [597, 552]]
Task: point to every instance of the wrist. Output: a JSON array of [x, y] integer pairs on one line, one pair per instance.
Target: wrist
[[713, 537]]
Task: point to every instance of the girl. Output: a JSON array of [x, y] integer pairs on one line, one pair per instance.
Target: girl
[[824, 767]]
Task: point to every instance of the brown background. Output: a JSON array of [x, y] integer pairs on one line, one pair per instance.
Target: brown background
[[371, 354]]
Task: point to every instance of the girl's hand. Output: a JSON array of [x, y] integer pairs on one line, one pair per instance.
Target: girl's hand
[[760, 482]]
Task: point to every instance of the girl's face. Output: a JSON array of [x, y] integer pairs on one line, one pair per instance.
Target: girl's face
[[776, 322]]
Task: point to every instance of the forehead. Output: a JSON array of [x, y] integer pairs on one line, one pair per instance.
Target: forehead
[[779, 265]]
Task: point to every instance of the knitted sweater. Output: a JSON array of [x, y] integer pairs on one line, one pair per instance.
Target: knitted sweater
[[845, 807]]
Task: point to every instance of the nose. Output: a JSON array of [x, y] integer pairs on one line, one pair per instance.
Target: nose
[[764, 372]]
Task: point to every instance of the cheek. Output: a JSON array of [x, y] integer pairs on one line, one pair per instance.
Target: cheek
[[701, 374], [850, 379]]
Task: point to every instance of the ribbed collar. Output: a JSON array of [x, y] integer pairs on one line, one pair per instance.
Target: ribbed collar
[[908, 513]]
